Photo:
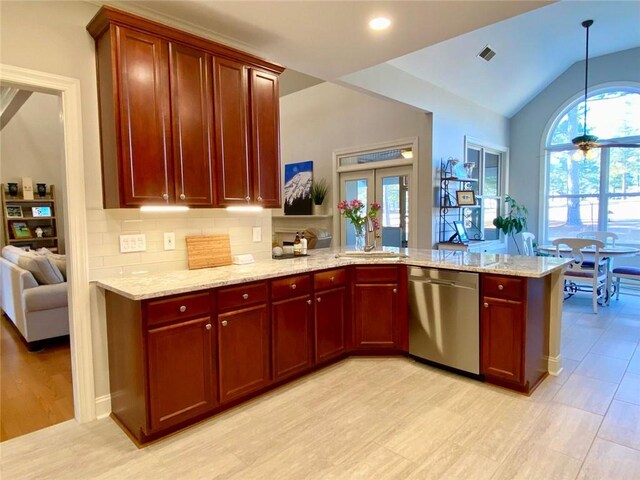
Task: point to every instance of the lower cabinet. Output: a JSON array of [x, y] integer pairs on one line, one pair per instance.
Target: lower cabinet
[[243, 349], [514, 337], [330, 339], [375, 305], [292, 331], [182, 371]]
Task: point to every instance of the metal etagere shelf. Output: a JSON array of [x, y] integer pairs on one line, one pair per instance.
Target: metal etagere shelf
[[452, 181]]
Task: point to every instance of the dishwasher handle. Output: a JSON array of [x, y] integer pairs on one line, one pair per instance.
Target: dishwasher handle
[[443, 283]]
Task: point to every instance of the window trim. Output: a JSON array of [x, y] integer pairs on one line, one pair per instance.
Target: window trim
[[545, 148]]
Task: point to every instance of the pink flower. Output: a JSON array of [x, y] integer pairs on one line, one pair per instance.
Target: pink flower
[[355, 203], [375, 205]]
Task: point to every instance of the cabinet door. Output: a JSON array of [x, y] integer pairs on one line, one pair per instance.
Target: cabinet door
[[192, 121], [329, 323], [232, 158], [376, 312], [291, 332], [502, 339], [243, 346], [145, 170], [182, 381], [265, 127]]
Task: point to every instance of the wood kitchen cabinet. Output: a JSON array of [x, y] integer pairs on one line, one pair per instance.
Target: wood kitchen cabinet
[[330, 312], [243, 340], [378, 314], [248, 148], [514, 339], [291, 326], [181, 115], [162, 361]]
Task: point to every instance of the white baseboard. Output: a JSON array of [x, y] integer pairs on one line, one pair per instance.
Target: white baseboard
[[103, 406], [555, 365]]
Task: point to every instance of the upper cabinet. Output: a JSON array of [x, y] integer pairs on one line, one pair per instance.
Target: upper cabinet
[[184, 121]]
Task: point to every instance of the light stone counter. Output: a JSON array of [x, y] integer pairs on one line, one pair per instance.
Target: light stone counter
[[151, 285]]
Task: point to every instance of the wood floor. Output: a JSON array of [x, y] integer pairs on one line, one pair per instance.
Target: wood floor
[[393, 418], [35, 387]]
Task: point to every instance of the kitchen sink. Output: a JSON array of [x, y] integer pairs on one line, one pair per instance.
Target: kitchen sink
[[373, 254]]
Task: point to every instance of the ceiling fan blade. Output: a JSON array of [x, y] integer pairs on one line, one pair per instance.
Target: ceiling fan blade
[[618, 145]]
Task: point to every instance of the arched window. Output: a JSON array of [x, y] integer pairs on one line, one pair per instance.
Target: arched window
[[603, 192]]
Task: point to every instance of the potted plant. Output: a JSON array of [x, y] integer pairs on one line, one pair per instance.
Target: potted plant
[[515, 221], [319, 191], [355, 211]]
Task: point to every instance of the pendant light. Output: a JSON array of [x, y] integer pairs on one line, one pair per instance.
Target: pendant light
[[586, 142]]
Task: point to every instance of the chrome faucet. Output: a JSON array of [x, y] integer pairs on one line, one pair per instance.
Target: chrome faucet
[[369, 233]]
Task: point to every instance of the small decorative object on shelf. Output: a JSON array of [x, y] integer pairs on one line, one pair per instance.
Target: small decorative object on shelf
[[38, 231], [13, 189], [14, 211], [42, 189], [20, 230], [449, 170], [353, 210], [27, 188], [468, 167], [465, 197], [319, 191]]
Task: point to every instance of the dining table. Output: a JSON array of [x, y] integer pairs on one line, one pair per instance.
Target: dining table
[[609, 252]]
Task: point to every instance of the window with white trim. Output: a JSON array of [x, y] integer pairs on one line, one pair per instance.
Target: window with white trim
[[601, 191]]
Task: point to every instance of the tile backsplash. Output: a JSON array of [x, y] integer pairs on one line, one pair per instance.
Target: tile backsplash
[[105, 227]]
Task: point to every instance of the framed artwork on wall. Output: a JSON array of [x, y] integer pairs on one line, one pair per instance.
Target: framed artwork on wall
[[297, 188]]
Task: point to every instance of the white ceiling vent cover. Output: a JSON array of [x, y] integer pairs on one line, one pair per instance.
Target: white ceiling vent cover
[[487, 53]]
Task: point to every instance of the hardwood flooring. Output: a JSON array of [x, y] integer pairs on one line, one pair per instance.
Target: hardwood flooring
[[35, 387], [391, 418]]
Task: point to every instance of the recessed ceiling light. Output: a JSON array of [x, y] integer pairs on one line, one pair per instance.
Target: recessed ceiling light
[[379, 23]]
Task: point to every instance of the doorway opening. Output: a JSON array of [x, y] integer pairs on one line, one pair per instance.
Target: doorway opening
[[384, 174]]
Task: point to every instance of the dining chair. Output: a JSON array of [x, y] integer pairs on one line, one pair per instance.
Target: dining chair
[[609, 238], [626, 272], [592, 273], [527, 243]]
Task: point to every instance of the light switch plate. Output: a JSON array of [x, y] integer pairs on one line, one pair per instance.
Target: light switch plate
[[169, 241], [133, 243], [257, 234]]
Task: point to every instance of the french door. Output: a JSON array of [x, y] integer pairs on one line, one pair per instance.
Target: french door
[[390, 188]]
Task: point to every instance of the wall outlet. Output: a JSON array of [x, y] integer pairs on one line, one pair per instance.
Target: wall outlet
[[257, 234], [169, 241], [133, 243]]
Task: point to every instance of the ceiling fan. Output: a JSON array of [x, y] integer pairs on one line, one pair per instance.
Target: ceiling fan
[[585, 143]]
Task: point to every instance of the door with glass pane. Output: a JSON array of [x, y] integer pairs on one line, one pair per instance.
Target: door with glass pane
[[390, 188]]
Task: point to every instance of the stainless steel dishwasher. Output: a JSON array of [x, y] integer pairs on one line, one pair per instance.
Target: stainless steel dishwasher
[[444, 322]]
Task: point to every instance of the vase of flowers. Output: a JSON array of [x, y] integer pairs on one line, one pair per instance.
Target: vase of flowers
[[354, 211]]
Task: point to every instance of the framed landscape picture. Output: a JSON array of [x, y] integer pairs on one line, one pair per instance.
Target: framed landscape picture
[[297, 188], [20, 230]]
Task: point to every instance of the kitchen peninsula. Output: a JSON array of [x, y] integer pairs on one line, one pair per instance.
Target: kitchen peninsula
[[184, 345]]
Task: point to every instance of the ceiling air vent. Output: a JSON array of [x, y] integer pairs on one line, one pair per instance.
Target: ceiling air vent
[[487, 53]]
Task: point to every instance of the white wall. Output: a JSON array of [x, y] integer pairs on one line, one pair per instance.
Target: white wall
[[529, 124], [51, 37], [327, 117], [31, 146], [453, 117]]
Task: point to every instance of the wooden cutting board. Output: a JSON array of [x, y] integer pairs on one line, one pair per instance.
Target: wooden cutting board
[[204, 251]]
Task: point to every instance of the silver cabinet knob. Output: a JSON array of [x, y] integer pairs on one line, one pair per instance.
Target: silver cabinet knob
[[183, 308], [224, 323], [245, 296], [500, 287], [319, 299], [182, 196], [208, 326], [259, 198], [308, 302], [293, 286], [486, 305], [395, 290], [247, 198], [165, 196]]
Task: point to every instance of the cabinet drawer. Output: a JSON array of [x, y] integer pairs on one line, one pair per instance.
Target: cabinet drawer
[[242, 295], [290, 287], [499, 286], [376, 274], [330, 278], [178, 308]]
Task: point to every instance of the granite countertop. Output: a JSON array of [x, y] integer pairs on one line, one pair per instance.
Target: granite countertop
[[152, 285]]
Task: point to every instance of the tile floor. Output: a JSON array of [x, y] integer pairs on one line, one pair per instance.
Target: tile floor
[[393, 418]]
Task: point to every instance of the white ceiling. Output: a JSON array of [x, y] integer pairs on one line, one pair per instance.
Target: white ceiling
[[531, 51], [436, 41], [328, 39]]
